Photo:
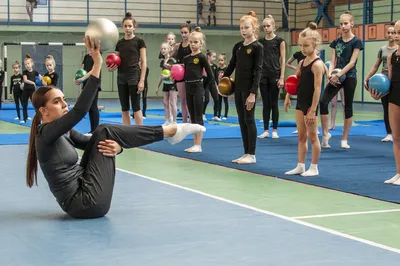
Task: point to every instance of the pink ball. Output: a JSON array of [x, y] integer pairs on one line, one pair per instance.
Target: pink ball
[[178, 72]]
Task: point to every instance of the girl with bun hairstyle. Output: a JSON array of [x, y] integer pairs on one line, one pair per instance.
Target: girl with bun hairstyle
[[50, 64], [273, 73], [28, 75], [247, 59], [310, 70], [183, 49], [194, 65], [345, 51], [131, 77]]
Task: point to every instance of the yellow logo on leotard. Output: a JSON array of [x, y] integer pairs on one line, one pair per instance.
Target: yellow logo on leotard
[[196, 61], [249, 51]]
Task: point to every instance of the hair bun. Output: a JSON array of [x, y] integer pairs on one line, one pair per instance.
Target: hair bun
[[393, 23], [28, 56], [188, 22], [128, 14], [252, 13], [197, 29], [347, 12], [312, 25]]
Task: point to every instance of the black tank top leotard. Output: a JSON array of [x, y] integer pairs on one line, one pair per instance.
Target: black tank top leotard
[[305, 89]]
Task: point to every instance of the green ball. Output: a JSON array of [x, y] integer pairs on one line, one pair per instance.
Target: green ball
[[165, 72], [80, 73]]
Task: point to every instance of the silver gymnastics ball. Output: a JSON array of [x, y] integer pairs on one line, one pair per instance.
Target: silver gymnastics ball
[[104, 30]]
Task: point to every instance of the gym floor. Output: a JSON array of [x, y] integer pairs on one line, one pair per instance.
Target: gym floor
[[170, 210]]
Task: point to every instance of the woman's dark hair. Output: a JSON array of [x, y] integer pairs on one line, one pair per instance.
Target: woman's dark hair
[[187, 25], [39, 99]]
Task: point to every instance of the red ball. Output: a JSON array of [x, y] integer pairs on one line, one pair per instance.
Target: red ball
[[291, 84], [113, 59]]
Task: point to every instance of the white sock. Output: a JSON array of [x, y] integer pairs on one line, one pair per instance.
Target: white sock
[[247, 159], [394, 180], [325, 141], [236, 160], [301, 168], [183, 130], [344, 144], [312, 171], [194, 149]]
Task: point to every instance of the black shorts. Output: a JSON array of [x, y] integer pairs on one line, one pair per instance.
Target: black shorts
[[213, 8], [304, 108], [169, 87], [394, 95]]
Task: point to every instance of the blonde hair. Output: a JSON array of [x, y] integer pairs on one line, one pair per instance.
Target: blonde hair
[[170, 34], [312, 33], [271, 19], [16, 63], [169, 47], [254, 21], [50, 58], [28, 57], [197, 32], [348, 14]]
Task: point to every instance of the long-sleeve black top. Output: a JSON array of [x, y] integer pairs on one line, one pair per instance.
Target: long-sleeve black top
[[248, 61], [56, 142]]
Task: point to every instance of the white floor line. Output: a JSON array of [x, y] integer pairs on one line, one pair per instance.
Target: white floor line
[[344, 214], [327, 230]]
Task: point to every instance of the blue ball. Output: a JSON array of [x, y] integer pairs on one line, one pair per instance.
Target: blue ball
[[379, 82], [38, 81], [327, 64]]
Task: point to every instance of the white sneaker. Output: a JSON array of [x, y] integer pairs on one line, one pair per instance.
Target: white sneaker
[[29, 118], [22, 122], [275, 135], [388, 138], [216, 118], [295, 132], [224, 118], [204, 118], [17, 118], [264, 135]]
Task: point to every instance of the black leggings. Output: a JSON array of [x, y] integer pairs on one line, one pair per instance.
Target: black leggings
[[144, 99], [226, 102], [93, 198], [195, 101], [17, 99], [26, 95], [214, 94], [385, 104], [94, 115], [349, 87], [269, 94], [247, 124], [1, 95]]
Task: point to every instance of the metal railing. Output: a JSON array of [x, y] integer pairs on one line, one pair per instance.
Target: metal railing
[[148, 13]]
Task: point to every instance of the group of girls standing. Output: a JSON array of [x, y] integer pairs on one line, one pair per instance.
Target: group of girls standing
[[22, 86]]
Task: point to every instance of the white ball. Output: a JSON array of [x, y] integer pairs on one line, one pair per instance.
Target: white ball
[[104, 30]]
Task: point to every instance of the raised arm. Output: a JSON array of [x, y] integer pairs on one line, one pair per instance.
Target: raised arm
[[53, 130]]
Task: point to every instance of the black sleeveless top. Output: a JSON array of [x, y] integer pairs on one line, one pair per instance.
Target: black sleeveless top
[[182, 52], [305, 89], [395, 60]]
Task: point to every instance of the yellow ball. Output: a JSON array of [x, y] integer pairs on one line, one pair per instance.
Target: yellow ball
[[104, 30], [47, 80], [226, 86]]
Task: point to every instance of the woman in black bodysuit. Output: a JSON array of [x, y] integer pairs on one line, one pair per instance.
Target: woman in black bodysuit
[[84, 190]]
